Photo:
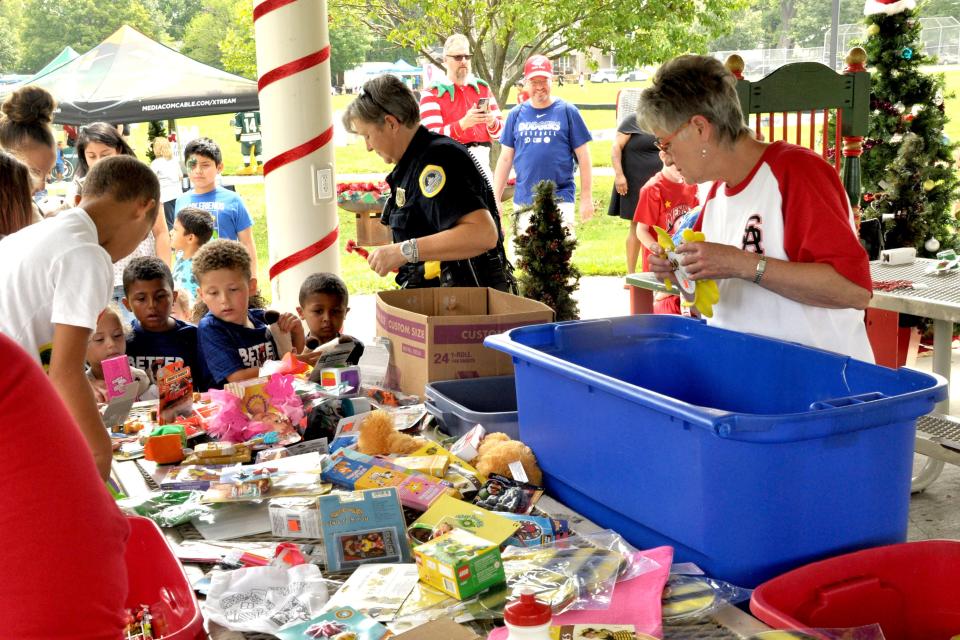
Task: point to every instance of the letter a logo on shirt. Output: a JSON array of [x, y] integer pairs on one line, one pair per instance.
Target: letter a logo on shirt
[[432, 179]]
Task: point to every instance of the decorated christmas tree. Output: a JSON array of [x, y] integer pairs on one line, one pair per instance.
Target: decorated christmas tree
[[545, 249], [154, 130], [908, 166]]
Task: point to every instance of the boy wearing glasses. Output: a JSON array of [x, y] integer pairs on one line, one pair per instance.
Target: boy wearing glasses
[[461, 105], [232, 221]]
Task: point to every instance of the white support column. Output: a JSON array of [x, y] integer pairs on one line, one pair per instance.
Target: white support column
[[293, 66]]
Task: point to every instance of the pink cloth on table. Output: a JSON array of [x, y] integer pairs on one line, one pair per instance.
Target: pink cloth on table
[[635, 601]]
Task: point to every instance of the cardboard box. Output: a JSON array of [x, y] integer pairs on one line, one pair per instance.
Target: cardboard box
[[459, 564], [437, 333], [440, 629]]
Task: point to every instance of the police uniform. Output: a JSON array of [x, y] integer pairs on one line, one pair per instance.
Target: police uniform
[[434, 184]]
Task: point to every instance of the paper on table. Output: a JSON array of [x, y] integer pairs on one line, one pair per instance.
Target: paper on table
[[236, 520], [377, 590]]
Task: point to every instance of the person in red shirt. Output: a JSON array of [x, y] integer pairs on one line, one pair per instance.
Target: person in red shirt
[[461, 105], [663, 201], [62, 538]]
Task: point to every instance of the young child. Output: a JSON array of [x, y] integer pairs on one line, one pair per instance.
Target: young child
[[192, 229], [323, 306], [157, 339], [663, 201], [234, 341], [57, 276], [107, 341], [232, 221]]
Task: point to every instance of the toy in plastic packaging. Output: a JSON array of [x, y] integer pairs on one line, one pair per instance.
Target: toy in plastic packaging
[[344, 623], [377, 590], [168, 508], [175, 389], [698, 596], [265, 599], [536, 530], [240, 484], [946, 262], [868, 632], [700, 294], [257, 406], [500, 493], [600, 631]]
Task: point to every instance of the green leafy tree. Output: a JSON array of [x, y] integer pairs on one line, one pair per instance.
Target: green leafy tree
[[350, 40], [504, 34], [206, 30], [545, 251], [11, 13], [908, 167], [178, 14], [155, 129], [382, 50], [238, 51], [50, 25]]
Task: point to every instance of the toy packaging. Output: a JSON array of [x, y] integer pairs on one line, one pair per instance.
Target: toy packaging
[[344, 623], [377, 590], [239, 484], [440, 629], [606, 631], [459, 563], [295, 517], [503, 494], [353, 470], [175, 389], [448, 513], [459, 473], [363, 527], [192, 477], [536, 530], [116, 375], [435, 466]]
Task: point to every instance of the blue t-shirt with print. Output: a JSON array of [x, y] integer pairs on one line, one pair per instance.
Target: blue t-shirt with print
[[183, 279], [543, 141], [226, 347], [230, 214], [152, 350]]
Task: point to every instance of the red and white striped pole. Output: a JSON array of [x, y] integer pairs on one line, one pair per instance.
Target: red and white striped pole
[[293, 64]]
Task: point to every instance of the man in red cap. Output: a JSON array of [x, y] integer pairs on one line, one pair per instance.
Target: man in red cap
[[461, 105], [544, 139]]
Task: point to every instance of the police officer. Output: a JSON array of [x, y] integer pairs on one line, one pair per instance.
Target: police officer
[[441, 207]]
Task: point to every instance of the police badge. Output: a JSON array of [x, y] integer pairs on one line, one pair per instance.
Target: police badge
[[432, 179], [401, 197]]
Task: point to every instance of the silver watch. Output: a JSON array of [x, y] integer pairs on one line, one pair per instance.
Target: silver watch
[[410, 250]]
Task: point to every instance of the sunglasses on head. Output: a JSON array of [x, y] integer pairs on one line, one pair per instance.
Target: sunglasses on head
[[460, 57], [366, 94]]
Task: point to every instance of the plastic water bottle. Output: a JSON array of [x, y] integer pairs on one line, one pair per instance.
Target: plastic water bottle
[[528, 618]]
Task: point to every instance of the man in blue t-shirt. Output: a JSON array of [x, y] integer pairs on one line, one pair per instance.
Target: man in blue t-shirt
[[542, 139], [232, 220]]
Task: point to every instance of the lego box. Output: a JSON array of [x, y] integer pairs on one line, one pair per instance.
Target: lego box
[[437, 333], [459, 564]]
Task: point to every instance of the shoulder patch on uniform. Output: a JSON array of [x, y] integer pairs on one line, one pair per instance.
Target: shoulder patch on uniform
[[432, 179]]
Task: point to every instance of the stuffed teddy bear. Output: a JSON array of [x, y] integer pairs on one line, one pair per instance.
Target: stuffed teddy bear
[[378, 436], [497, 451]]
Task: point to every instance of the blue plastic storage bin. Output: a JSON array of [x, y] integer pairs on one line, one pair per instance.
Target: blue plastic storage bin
[[750, 456], [461, 404]]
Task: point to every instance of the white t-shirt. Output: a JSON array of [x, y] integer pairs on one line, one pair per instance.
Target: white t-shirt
[[792, 207], [168, 173], [53, 272]]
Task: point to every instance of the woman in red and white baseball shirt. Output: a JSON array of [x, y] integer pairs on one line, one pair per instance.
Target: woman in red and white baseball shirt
[[780, 238]]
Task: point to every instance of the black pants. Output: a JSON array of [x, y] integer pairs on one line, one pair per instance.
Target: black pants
[[169, 212]]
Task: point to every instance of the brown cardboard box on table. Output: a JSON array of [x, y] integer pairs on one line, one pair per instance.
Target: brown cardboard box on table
[[437, 333], [439, 629]]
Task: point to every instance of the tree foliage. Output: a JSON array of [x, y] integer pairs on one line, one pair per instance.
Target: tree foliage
[[350, 40], [504, 34], [50, 25], [238, 51], [206, 30], [11, 12]]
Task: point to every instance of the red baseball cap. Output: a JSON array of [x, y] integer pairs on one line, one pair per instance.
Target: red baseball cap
[[538, 67]]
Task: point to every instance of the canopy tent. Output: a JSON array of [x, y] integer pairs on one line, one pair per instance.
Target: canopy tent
[[130, 78], [402, 67], [65, 56]]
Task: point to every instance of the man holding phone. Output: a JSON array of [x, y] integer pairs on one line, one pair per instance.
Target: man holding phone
[[461, 105]]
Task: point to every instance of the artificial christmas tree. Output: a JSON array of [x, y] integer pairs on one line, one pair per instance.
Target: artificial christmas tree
[[545, 249], [908, 166], [154, 130]]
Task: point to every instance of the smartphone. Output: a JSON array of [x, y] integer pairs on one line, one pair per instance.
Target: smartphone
[[483, 104]]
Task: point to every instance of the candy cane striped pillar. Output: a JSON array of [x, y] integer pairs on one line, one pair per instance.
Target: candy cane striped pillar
[[293, 64]]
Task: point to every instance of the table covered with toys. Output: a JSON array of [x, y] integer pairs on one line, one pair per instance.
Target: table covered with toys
[[323, 503]]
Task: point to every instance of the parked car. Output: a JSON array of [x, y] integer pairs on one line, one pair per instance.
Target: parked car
[[635, 76], [605, 75]]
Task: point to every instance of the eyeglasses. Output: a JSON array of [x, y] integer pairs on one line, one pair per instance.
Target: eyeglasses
[[461, 57], [664, 144], [366, 94]]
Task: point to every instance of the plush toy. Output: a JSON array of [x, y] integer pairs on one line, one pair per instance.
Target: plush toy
[[497, 451], [379, 437]]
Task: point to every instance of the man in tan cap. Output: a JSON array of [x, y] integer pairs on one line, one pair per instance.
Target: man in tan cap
[[461, 105]]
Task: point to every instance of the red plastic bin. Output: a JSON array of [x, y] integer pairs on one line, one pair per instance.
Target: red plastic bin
[[156, 578], [910, 589]]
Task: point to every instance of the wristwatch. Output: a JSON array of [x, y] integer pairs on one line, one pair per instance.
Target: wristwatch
[[761, 268], [410, 250]]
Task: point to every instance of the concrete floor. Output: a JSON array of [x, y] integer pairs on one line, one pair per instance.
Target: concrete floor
[[934, 513]]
